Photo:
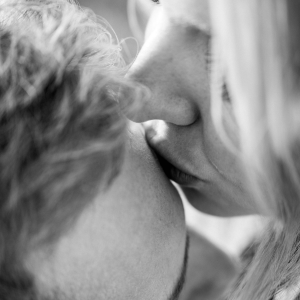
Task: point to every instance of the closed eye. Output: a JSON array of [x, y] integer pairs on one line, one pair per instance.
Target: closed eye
[[225, 94]]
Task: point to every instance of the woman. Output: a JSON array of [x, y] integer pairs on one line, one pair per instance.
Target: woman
[[234, 150], [78, 217]]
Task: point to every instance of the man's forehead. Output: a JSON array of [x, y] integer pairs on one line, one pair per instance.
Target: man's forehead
[[189, 12]]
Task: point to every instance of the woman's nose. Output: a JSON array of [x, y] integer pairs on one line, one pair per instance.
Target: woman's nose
[[157, 69]]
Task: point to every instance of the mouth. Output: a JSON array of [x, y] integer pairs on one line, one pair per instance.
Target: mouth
[[173, 168], [174, 173]]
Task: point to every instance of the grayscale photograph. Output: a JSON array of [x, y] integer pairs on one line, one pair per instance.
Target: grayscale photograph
[[149, 149]]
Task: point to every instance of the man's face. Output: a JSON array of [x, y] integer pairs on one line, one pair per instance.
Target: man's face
[[130, 243], [175, 64]]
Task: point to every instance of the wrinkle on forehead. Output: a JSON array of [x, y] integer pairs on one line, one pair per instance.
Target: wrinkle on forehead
[[189, 12]]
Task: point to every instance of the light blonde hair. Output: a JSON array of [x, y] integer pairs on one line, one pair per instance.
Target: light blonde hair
[[260, 61]]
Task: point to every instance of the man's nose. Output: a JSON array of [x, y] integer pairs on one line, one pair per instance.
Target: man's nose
[[157, 69]]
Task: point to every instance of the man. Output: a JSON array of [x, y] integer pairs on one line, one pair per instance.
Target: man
[[86, 212]]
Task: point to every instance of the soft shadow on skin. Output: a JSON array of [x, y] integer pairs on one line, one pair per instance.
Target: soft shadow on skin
[[210, 272]]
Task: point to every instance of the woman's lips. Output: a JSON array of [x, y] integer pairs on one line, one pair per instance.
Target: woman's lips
[[170, 165], [175, 174]]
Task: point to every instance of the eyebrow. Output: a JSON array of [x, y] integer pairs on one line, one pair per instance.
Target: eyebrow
[[180, 282]]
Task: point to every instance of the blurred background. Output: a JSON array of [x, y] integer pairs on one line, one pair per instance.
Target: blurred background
[[115, 11]]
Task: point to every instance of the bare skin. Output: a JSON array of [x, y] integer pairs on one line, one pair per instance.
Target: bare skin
[[210, 271]]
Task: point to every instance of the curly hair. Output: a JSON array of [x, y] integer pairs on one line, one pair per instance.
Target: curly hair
[[60, 74]]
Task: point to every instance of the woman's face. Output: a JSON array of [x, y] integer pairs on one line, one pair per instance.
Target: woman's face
[[129, 244], [175, 64]]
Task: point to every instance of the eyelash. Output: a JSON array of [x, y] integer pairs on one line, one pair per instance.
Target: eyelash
[[225, 93], [156, 1], [209, 61]]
